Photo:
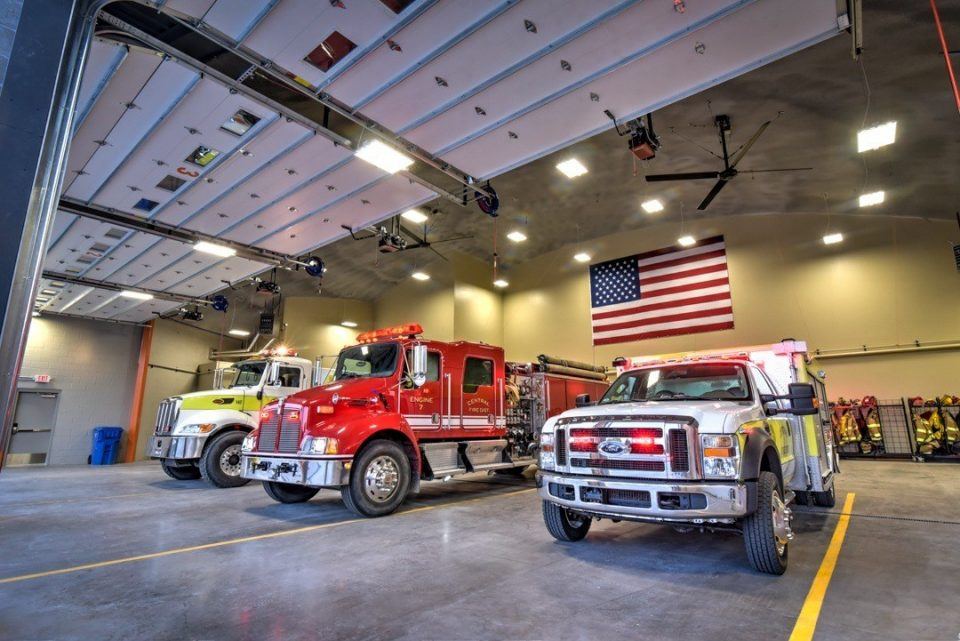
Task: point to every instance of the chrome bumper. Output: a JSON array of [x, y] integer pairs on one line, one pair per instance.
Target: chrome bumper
[[314, 472], [176, 447], [724, 501]]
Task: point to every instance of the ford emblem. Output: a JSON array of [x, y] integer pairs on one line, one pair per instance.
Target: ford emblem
[[613, 448]]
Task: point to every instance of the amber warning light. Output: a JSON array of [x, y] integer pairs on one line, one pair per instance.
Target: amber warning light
[[398, 331]]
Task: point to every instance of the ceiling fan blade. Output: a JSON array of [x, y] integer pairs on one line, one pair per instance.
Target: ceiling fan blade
[[451, 239], [740, 153], [431, 248], [713, 194], [693, 175], [767, 171]]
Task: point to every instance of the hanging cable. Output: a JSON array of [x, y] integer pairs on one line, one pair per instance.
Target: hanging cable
[[946, 52]]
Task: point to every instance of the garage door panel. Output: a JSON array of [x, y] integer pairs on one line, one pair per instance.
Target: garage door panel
[[500, 44], [212, 277], [146, 311], [644, 84], [236, 18], [162, 92], [150, 259], [103, 60], [113, 262]]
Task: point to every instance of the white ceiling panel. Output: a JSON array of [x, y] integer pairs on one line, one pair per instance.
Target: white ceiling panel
[[418, 41], [350, 178], [647, 83], [196, 121], [103, 59], [294, 28], [500, 44], [165, 88], [124, 86]]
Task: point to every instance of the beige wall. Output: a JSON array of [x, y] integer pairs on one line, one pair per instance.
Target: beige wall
[[312, 325], [429, 303], [892, 281]]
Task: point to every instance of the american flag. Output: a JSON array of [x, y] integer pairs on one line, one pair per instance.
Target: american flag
[[666, 292]]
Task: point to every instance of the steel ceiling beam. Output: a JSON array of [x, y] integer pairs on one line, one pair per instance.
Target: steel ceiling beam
[[157, 228], [114, 287]]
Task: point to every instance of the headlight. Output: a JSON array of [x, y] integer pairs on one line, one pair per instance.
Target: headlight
[[721, 456], [319, 445], [547, 456], [201, 428], [249, 442]]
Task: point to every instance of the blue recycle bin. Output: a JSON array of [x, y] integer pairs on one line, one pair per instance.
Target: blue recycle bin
[[106, 445]]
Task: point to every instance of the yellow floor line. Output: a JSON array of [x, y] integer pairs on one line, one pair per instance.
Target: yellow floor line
[[245, 539], [810, 612]]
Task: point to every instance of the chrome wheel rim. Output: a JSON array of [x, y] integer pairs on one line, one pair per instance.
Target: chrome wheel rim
[[230, 460], [781, 523], [575, 520], [381, 479]]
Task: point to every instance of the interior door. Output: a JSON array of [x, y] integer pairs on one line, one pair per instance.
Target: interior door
[[478, 405], [422, 406], [33, 423]]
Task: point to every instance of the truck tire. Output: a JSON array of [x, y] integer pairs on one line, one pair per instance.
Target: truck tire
[[220, 463], [766, 548], [288, 492], [379, 481], [563, 525], [180, 472], [825, 499]]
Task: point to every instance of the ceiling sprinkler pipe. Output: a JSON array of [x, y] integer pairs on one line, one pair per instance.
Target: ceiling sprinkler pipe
[[946, 53]]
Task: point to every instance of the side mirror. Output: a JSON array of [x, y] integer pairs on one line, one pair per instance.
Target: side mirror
[[418, 365], [273, 375], [583, 400], [803, 399]]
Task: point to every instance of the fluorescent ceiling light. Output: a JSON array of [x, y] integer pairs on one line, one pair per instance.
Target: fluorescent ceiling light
[[687, 241], [517, 236], [415, 216], [572, 168], [384, 156], [833, 239], [652, 206], [348, 324], [239, 332], [876, 137], [129, 293], [36, 314], [500, 283], [582, 257], [212, 248], [420, 275], [873, 198]]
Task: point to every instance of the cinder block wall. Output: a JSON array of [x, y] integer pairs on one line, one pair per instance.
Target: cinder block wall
[[93, 366]]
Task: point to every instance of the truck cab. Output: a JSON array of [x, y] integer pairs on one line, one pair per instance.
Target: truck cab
[[712, 441], [396, 409], [199, 434]]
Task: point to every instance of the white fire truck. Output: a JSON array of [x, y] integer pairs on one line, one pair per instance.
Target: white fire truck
[[199, 434], [705, 439]]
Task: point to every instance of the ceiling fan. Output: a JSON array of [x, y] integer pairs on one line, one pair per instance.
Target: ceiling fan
[[394, 237], [729, 171]]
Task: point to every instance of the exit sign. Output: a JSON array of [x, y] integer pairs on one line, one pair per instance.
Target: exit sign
[[41, 378]]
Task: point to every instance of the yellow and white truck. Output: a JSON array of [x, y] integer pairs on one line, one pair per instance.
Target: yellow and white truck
[[720, 441], [199, 434]]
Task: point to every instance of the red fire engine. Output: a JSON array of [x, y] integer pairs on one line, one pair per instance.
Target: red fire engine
[[397, 410]]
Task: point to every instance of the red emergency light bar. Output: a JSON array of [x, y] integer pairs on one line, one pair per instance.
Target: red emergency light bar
[[282, 350], [398, 331]]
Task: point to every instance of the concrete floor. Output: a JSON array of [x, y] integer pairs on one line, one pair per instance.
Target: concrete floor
[[467, 560]]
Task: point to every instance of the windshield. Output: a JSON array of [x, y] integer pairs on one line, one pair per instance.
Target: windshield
[[683, 382], [249, 373], [376, 361]]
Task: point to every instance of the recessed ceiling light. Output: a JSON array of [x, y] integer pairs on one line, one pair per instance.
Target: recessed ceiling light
[[652, 206], [876, 137], [420, 276], [582, 257], [384, 156], [873, 198], [216, 250], [348, 324], [239, 332], [129, 293], [501, 283], [572, 168], [687, 241], [415, 216], [833, 239], [517, 236]]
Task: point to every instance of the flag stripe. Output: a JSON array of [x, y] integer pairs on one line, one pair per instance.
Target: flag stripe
[[665, 253], [707, 320], [677, 275], [714, 309], [667, 304], [694, 284], [652, 268], [679, 331], [709, 306]]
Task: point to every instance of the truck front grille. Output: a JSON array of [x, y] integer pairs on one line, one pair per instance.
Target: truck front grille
[[618, 464], [623, 498], [679, 451], [167, 415], [280, 430], [560, 445]]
